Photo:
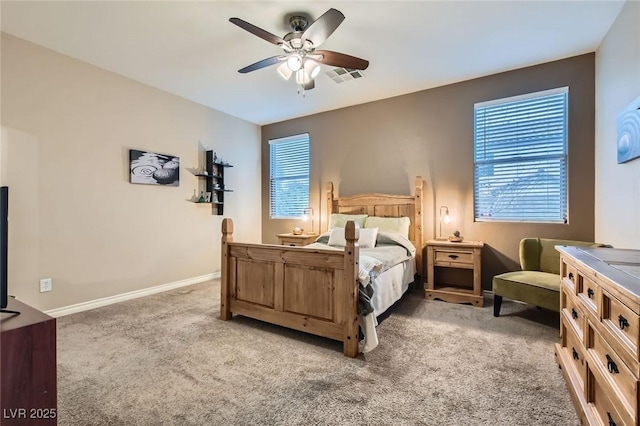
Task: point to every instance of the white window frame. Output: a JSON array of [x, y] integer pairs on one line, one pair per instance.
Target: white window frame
[[280, 206], [513, 170]]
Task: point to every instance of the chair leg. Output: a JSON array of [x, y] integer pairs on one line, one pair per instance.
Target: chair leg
[[497, 302]]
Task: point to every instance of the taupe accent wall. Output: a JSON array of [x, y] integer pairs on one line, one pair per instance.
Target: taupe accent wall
[[382, 146], [67, 127], [618, 84]]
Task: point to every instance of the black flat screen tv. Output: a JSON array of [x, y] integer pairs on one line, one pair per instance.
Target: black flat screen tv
[[4, 244], [4, 249]]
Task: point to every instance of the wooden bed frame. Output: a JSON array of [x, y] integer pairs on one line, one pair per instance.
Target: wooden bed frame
[[311, 290]]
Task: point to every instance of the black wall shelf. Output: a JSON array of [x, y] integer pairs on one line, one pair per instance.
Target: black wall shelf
[[214, 182]]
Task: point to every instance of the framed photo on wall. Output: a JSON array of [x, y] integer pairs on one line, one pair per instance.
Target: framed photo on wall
[[152, 168], [628, 121]]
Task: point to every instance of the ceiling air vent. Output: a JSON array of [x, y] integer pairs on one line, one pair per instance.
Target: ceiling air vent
[[340, 75]]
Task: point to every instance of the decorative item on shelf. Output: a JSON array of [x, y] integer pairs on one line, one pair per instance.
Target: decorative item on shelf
[[443, 218], [207, 197], [308, 214], [201, 199], [214, 197], [297, 231], [456, 237], [215, 157]]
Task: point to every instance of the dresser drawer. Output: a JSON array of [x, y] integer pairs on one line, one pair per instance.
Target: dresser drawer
[[612, 368], [602, 405], [568, 274], [589, 293], [572, 312], [453, 257], [574, 351], [622, 322]]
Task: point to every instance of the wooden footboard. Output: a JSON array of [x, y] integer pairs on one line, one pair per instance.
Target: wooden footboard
[[310, 290]]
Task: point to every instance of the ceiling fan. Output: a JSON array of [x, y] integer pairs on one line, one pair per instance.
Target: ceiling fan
[[300, 55]]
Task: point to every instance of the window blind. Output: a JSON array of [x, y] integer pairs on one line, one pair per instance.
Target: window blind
[[520, 158], [289, 180]]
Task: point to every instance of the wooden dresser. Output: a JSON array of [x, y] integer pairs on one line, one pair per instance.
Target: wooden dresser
[[599, 333]]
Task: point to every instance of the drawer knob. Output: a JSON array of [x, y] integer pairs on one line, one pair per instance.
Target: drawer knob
[[571, 276], [611, 422], [575, 354], [589, 293], [622, 321], [574, 314], [453, 256], [611, 366]]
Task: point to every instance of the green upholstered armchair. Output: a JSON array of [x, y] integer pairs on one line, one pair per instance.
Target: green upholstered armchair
[[539, 281]]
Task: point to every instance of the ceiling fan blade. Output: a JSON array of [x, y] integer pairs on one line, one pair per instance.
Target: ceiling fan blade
[[341, 60], [262, 64], [310, 85], [265, 35], [323, 27]]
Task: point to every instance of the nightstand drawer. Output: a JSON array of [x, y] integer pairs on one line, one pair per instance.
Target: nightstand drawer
[[444, 257], [296, 240], [291, 241]]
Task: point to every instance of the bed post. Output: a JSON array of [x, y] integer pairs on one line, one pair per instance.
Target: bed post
[[329, 205], [227, 237], [351, 289], [417, 227]]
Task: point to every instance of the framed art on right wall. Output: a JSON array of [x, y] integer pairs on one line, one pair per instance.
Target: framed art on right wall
[[629, 132]]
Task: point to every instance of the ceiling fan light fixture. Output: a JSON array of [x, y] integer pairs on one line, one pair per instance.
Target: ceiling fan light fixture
[[302, 77], [300, 54], [294, 62], [284, 71], [312, 68]]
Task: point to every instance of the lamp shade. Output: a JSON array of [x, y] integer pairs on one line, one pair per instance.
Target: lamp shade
[[284, 71], [312, 68]]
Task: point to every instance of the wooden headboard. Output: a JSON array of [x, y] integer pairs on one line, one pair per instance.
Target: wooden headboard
[[384, 205]]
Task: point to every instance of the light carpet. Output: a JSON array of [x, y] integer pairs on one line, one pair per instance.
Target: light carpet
[[167, 359]]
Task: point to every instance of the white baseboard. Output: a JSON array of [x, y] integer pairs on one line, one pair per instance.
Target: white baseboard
[[92, 304]]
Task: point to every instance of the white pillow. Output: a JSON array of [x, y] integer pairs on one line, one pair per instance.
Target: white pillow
[[399, 225], [339, 220], [336, 237], [367, 237]]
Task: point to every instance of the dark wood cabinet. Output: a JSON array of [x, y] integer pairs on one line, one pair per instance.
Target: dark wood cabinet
[[28, 388]]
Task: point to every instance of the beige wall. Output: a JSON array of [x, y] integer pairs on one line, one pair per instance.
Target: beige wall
[[67, 127], [381, 147], [617, 211]]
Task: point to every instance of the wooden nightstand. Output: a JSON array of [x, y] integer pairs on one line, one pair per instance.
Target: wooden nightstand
[[454, 271], [296, 240]]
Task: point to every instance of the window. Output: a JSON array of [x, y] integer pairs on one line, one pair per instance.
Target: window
[[289, 179], [520, 158]]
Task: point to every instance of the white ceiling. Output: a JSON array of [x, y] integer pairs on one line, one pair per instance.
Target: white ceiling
[[191, 49]]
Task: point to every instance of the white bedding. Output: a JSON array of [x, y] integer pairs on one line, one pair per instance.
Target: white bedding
[[391, 280], [388, 288]]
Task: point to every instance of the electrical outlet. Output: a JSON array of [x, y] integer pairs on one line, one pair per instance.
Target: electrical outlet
[[46, 284]]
